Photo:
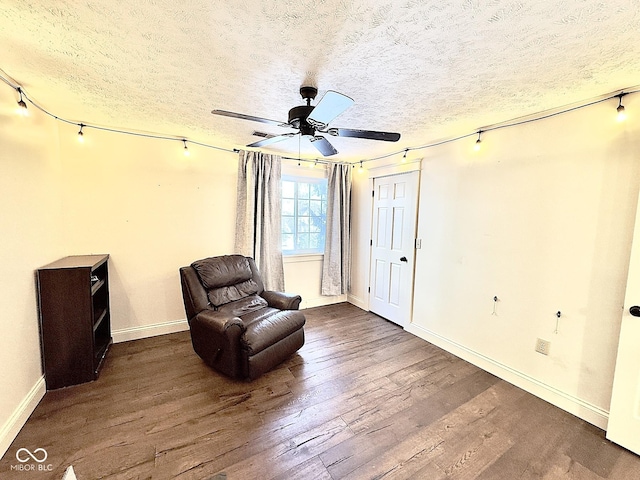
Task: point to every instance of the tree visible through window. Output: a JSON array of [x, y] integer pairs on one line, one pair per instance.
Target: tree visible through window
[[304, 209]]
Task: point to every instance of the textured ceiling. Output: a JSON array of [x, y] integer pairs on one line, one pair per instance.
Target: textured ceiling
[[424, 68]]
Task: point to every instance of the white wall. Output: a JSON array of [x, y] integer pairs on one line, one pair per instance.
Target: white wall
[[31, 232], [542, 217]]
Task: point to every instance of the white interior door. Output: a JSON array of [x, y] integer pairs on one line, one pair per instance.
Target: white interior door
[[395, 200], [624, 414]]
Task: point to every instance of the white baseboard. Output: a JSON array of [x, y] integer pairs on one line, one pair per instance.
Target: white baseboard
[[358, 302], [322, 301], [563, 400], [145, 331], [16, 421], [153, 330]]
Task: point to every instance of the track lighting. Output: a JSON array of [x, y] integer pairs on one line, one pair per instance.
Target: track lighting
[[477, 146], [622, 115], [23, 111], [22, 106]]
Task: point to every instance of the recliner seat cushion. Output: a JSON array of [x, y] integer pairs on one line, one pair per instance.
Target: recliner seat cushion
[[226, 279], [268, 326]]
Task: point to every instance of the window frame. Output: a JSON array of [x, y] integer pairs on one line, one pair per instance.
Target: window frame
[[298, 179]]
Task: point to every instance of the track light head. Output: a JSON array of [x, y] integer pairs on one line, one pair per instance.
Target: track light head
[[478, 144], [81, 134], [622, 115], [22, 105], [185, 150]]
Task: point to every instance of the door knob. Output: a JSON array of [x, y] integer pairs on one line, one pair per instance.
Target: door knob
[[635, 311], [403, 259]]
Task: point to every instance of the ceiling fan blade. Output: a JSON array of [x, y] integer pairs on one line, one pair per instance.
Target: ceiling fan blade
[[323, 146], [368, 134], [329, 107], [269, 139], [246, 117]]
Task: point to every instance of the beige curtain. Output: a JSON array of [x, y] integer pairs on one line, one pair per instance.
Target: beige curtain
[[337, 250], [258, 231]]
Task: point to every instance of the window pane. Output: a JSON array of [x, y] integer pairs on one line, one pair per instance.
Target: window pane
[[316, 224], [315, 206], [303, 224], [316, 241], [303, 207], [302, 241], [287, 241], [303, 190], [288, 207], [288, 225], [316, 191], [288, 189]]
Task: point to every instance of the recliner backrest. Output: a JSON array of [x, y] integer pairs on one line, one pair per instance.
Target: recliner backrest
[[227, 278]]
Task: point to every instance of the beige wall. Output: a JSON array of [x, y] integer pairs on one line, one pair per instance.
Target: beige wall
[[139, 200], [31, 232], [542, 218], [153, 210]]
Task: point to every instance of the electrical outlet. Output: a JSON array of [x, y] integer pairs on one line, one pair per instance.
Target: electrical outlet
[[543, 346]]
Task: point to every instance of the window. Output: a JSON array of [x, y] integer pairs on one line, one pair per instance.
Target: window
[[304, 209]]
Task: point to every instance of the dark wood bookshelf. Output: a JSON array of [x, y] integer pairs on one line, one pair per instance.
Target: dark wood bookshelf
[[75, 318]]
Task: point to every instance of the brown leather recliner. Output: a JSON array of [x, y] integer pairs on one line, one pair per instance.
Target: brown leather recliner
[[236, 326]]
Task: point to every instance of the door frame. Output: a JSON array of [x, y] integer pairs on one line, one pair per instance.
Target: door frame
[[388, 171]]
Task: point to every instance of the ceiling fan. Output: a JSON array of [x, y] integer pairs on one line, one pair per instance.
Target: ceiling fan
[[310, 121]]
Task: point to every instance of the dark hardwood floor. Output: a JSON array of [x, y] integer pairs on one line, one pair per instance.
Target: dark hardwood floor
[[362, 399]]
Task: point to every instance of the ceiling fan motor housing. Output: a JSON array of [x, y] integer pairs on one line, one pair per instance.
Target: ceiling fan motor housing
[[298, 119]]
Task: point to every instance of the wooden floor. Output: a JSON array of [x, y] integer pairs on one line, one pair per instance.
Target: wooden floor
[[362, 399]]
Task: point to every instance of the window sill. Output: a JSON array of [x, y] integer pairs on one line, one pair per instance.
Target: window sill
[[303, 257]]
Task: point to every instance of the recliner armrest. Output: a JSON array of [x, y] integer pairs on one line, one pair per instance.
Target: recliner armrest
[[217, 321], [282, 300]]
